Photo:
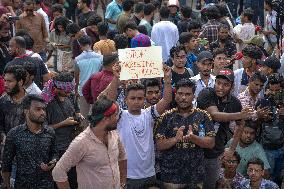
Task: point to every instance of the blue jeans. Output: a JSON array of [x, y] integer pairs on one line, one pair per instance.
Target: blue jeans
[[276, 162]]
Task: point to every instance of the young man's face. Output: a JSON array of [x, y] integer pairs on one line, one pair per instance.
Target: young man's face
[[179, 59], [112, 121], [191, 44], [173, 9], [184, 97], [135, 100], [255, 86], [153, 94], [255, 172], [248, 136], [231, 163], [36, 113], [222, 87], [195, 32], [29, 9], [12, 86], [220, 61], [267, 7], [80, 5], [130, 33], [205, 67], [223, 33]]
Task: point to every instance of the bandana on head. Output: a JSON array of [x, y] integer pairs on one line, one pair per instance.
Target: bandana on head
[[48, 92], [110, 111]]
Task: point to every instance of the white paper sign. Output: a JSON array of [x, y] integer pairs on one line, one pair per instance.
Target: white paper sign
[[141, 62]]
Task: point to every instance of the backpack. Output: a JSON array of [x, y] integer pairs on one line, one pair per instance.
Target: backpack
[[272, 134], [87, 88]]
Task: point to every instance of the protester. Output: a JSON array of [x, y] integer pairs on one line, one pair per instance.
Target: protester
[[113, 10], [220, 60], [86, 12], [99, 140], [138, 13], [152, 92], [30, 86], [185, 19], [124, 17], [148, 17], [32, 146], [137, 39]]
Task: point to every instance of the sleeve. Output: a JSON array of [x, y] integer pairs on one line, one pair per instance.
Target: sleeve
[[209, 126], [229, 143], [9, 152], [76, 67], [122, 153], [109, 12], [162, 128], [70, 158], [261, 154], [154, 36], [44, 29], [95, 83], [96, 47], [205, 99], [43, 68]]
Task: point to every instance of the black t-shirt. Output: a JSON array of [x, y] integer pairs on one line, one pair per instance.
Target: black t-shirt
[[40, 68], [83, 18], [184, 162], [177, 77], [5, 56], [206, 98]]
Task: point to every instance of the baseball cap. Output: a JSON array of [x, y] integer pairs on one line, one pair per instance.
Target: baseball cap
[[204, 55], [271, 62], [226, 73]]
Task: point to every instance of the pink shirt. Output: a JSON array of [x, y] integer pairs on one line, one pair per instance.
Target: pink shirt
[[96, 164]]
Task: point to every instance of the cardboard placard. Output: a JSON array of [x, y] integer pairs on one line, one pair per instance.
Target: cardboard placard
[[141, 62]]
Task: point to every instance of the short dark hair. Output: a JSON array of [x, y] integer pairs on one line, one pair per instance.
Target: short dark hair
[[57, 8], [223, 26], [18, 71], [127, 5], [109, 59], [248, 13], [176, 49], [185, 37], [94, 20], [72, 28], [268, 2], [156, 3], [186, 11], [99, 107], [102, 28], [256, 161], [88, 2], [121, 41], [60, 21], [193, 25], [85, 40], [20, 41], [164, 12], [237, 155], [223, 9], [275, 78], [152, 82], [134, 87], [258, 76], [142, 29], [139, 7], [28, 2], [28, 39], [64, 77], [131, 25], [212, 12], [148, 8], [186, 83], [252, 51], [251, 124], [30, 67], [218, 51], [28, 99]]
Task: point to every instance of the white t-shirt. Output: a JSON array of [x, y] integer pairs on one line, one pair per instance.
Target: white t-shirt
[[136, 132], [165, 34]]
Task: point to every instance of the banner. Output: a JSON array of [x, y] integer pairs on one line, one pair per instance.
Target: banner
[[141, 62]]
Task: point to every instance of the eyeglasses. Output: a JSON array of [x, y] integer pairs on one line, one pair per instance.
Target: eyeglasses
[[255, 170], [232, 161]]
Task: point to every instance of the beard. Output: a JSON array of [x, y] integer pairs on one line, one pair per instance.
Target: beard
[[110, 128], [14, 91], [37, 120], [5, 39]]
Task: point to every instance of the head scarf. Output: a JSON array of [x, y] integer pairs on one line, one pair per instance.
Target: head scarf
[[94, 119], [48, 92]]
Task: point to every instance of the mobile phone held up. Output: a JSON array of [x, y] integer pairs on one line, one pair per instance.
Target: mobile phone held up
[[13, 18]]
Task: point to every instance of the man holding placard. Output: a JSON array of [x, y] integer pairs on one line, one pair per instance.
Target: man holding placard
[[135, 127]]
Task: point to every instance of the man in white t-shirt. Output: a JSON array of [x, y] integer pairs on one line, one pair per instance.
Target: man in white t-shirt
[[135, 127], [165, 33]]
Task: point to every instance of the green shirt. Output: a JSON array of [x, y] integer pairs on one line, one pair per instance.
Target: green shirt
[[254, 150]]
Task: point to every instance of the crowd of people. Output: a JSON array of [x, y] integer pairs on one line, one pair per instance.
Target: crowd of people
[[214, 121]]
